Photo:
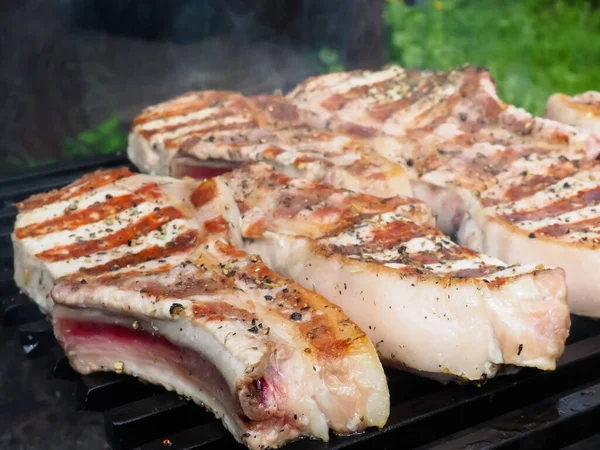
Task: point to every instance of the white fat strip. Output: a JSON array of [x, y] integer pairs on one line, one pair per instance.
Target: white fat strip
[[178, 120], [582, 181], [182, 131], [155, 238], [571, 217], [93, 231], [53, 210]]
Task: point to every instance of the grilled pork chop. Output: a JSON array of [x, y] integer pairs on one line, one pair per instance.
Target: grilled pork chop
[[149, 284], [428, 304], [424, 119], [507, 183], [582, 110], [203, 134]]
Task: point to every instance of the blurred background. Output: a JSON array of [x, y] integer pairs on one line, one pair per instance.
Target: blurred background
[[73, 73]]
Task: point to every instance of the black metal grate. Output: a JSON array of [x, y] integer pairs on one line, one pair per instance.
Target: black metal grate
[[549, 410]]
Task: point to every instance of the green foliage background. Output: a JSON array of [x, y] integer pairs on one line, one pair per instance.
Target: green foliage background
[[533, 48], [103, 139]]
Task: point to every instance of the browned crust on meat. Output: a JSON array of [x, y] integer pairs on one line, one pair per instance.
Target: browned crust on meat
[[585, 242], [188, 140], [582, 199], [204, 193], [182, 243], [277, 107], [216, 225], [220, 311], [124, 236], [456, 278], [71, 220], [147, 134], [87, 183], [325, 334], [184, 104]]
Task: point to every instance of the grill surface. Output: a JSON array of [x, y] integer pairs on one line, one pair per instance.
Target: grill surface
[[533, 409]]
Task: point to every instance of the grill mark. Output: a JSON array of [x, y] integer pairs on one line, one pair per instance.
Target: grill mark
[[355, 129], [256, 229], [337, 101], [271, 152], [370, 170], [91, 214], [367, 204], [169, 128], [488, 166], [198, 283], [85, 184], [119, 278], [471, 87], [529, 186], [435, 115], [230, 250], [216, 225], [278, 108], [441, 254], [143, 227], [400, 231], [177, 107], [182, 243], [382, 111], [558, 230], [578, 201], [249, 105], [188, 140], [303, 160], [220, 311], [204, 193], [291, 203]]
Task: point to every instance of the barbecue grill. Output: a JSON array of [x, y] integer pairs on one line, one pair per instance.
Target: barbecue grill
[[532, 410]]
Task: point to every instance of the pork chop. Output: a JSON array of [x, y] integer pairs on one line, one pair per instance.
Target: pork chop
[[476, 160], [202, 134], [150, 283], [428, 304]]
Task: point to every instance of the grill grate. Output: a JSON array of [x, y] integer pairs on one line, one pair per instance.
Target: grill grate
[[532, 409]]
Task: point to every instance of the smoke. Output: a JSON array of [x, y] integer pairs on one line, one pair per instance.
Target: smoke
[[70, 64]]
